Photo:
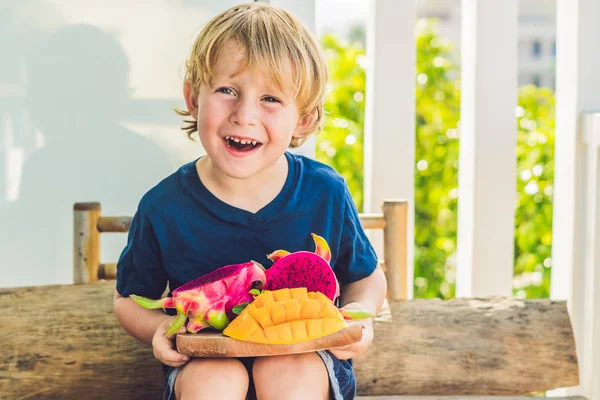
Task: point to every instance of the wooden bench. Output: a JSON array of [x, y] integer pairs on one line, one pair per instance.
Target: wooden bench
[[63, 341]]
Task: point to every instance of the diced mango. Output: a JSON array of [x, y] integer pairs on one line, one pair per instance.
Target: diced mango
[[261, 315], [286, 316], [333, 325], [285, 333], [327, 310], [258, 337], [299, 330], [245, 327], [282, 294], [299, 293], [292, 309], [265, 297], [314, 295], [310, 308], [272, 334], [314, 327], [277, 311]]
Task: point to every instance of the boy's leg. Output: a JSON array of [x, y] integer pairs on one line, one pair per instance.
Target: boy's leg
[[295, 376], [212, 378]]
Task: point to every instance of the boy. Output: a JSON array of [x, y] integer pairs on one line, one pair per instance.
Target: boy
[[254, 87]]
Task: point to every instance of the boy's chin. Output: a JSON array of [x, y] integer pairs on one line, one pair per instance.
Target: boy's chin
[[241, 174], [240, 171]]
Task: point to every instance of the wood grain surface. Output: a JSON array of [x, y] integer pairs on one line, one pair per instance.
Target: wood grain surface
[[64, 342], [219, 345]]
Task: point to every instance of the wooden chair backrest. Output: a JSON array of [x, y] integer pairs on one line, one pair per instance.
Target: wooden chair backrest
[[89, 224]]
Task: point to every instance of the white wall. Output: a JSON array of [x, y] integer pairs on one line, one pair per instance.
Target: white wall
[[86, 91]]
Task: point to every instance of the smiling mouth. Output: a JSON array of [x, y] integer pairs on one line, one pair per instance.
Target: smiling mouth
[[241, 144]]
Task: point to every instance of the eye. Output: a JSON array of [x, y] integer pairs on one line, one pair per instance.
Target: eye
[[225, 90], [271, 99]]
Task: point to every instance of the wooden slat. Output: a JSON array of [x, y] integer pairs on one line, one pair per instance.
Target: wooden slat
[[107, 271], [64, 342], [395, 249], [86, 242], [372, 221], [121, 224], [114, 224]]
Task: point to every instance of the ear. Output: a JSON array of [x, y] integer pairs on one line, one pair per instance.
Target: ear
[[191, 98], [306, 124]]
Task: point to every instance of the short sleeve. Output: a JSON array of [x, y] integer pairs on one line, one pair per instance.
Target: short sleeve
[[139, 269], [357, 258]]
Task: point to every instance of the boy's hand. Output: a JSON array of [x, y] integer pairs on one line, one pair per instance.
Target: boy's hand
[[163, 346], [353, 350]]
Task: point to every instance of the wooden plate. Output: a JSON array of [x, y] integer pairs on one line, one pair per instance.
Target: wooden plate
[[219, 345]]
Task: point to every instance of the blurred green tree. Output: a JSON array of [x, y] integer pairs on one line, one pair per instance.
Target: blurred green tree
[[341, 142], [436, 170]]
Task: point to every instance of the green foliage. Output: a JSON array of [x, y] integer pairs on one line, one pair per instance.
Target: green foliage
[[341, 142], [535, 171], [436, 169], [436, 172]]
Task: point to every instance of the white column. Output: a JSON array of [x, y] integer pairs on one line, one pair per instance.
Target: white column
[[585, 308], [574, 270], [305, 11], [487, 165], [390, 111]]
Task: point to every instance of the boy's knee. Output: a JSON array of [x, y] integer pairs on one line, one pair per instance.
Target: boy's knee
[[293, 364], [304, 375], [203, 375], [216, 366]]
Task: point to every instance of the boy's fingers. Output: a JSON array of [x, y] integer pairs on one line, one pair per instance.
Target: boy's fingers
[[341, 354], [174, 364], [167, 353], [173, 356]]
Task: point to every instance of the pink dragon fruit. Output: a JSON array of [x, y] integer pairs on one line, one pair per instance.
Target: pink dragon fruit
[[304, 269], [208, 301]]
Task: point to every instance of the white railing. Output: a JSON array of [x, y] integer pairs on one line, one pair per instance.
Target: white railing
[[578, 281], [575, 219], [390, 112], [589, 297], [488, 139]]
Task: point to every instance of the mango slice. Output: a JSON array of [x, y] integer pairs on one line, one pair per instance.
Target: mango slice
[[286, 316]]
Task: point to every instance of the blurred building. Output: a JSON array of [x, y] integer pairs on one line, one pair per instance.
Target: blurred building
[[537, 30], [537, 35]]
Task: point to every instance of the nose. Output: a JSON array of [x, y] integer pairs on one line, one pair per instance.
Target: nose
[[244, 113]]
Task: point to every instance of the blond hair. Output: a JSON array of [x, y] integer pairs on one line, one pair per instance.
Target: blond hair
[[272, 39]]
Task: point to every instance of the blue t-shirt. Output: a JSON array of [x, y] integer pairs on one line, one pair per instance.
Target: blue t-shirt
[[181, 231]]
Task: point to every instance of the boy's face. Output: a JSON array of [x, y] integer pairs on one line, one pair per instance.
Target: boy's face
[[245, 121]]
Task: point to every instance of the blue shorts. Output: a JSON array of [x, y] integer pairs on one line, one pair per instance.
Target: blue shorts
[[342, 383]]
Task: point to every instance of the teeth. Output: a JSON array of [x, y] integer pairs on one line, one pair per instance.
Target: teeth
[[254, 142]]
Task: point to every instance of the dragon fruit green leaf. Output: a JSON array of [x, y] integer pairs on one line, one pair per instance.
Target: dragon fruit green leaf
[[239, 308]]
